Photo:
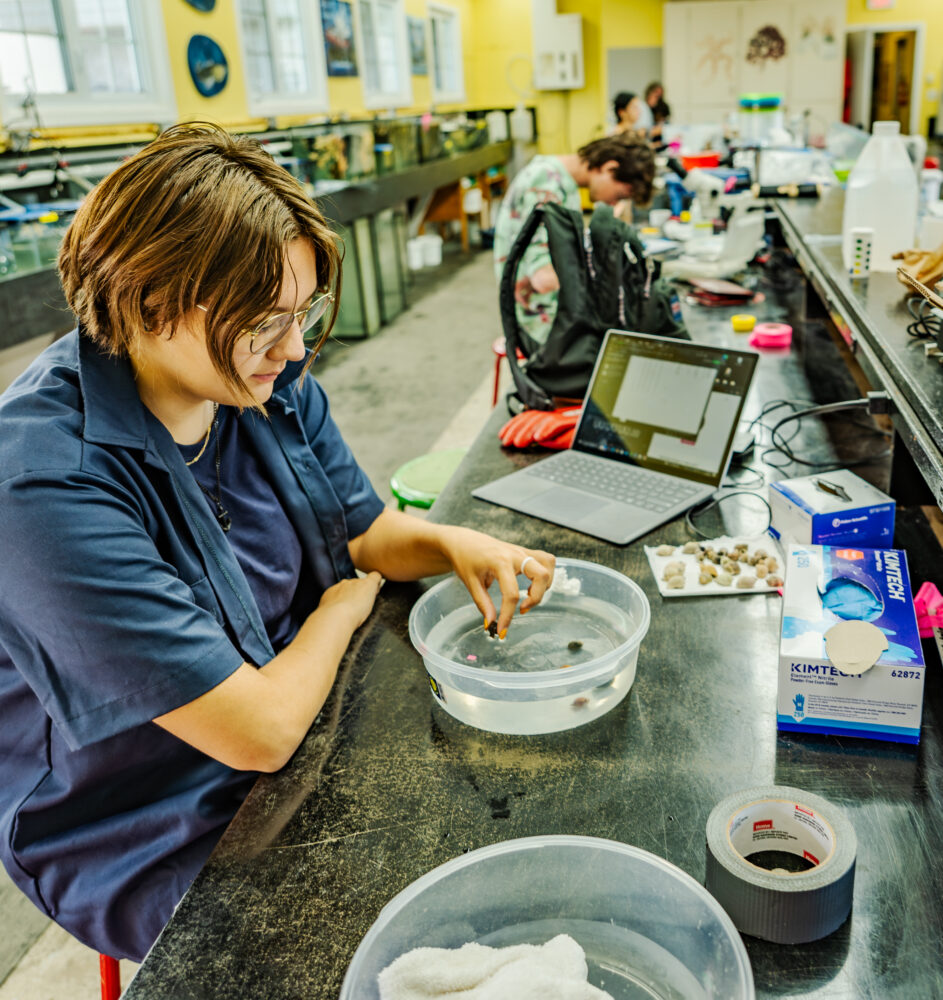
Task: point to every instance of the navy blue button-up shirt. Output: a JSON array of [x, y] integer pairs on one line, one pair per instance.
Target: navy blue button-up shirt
[[120, 600]]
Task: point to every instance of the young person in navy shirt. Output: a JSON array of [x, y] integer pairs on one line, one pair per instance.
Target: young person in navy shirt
[[180, 525]]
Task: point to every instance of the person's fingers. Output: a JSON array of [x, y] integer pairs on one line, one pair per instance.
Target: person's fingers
[[538, 567], [510, 595], [481, 597]]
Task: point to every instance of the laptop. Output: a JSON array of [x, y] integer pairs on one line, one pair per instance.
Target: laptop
[[654, 438]]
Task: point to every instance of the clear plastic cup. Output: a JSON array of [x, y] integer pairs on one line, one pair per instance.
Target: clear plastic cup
[[649, 930]]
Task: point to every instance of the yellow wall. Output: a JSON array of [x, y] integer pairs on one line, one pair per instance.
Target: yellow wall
[[502, 49], [181, 21], [930, 13], [496, 41], [496, 37], [230, 106]]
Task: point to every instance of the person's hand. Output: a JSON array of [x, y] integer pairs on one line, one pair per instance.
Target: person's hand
[[543, 280], [479, 560], [355, 597]]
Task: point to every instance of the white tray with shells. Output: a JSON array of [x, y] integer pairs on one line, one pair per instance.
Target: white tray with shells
[[717, 566]]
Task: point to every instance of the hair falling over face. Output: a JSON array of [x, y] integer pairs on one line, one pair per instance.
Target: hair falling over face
[[197, 217]]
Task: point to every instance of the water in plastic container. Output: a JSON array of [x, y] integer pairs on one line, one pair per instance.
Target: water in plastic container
[[565, 663], [564, 632], [649, 930], [881, 194]]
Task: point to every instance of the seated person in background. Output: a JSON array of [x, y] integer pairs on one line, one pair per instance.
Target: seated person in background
[[629, 112], [180, 526], [611, 169], [654, 111]]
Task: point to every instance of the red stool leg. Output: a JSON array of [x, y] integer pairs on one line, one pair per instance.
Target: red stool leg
[[110, 977]]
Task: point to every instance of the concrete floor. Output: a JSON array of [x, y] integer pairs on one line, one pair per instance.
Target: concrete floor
[[422, 383]]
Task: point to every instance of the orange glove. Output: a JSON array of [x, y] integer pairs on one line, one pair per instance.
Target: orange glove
[[547, 428]]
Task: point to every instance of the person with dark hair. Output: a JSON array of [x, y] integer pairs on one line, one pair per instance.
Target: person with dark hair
[[181, 526], [612, 169], [628, 111], [654, 110]]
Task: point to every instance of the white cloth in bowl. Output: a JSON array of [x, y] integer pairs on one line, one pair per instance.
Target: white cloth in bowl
[[552, 971]]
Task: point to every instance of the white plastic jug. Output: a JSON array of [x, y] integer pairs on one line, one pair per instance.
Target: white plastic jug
[[881, 194]]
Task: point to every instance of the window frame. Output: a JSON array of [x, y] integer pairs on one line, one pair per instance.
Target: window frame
[[82, 106], [281, 103], [454, 16], [375, 100]]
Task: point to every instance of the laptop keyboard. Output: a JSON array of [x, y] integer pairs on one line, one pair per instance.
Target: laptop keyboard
[[616, 481]]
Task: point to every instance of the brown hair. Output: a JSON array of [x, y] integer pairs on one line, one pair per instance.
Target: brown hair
[[196, 216], [635, 159]]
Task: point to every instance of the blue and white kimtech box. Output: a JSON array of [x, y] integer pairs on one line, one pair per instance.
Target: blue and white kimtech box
[[834, 508], [827, 585]]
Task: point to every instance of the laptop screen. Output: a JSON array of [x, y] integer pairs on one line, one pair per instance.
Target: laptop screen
[[668, 405]]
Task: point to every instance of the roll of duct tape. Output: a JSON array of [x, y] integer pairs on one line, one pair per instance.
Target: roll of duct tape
[[742, 322], [781, 862], [771, 335]]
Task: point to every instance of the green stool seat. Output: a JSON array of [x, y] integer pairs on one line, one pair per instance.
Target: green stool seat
[[418, 482]]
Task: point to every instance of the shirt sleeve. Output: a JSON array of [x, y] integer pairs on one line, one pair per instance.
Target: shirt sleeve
[[102, 627], [541, 181], [359, 499]]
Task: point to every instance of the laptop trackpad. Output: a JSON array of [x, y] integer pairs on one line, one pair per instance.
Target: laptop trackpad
[[559, 502]]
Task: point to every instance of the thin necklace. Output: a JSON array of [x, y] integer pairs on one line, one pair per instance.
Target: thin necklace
[[222, 515], [206, 440]]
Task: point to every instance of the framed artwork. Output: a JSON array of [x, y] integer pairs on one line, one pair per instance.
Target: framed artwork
[[338, 23], [416, 27], [207, 64]]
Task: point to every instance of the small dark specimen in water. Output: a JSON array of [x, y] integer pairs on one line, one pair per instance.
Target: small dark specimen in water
[[499, 808], [493, 629], [575, 644]]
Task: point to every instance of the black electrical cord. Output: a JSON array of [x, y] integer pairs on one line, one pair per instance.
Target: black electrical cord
[[736, 480], [702, 508], [925, 322], [781, 445]]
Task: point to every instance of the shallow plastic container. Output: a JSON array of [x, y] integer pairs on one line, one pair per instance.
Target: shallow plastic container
[[539, 683], [881, 194], [649, 930]]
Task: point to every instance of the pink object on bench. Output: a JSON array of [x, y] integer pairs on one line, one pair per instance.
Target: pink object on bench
[[928, 603], [771, 335]]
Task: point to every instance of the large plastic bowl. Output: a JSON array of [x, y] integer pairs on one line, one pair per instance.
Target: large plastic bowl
[[648, 929], [541, 701]]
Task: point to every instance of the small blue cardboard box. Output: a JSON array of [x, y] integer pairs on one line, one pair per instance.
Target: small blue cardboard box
[[834, 508], [824, 586]]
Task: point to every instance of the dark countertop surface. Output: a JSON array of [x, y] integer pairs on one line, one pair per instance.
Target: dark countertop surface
[[387, 785], [876, 315]]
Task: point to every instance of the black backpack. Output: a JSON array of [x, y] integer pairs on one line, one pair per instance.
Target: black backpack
[[605, 281]]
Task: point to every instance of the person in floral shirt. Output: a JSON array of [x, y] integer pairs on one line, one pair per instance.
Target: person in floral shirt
[[611, 169]]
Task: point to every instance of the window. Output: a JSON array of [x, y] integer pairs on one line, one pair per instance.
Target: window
[[84, 62], [284, 57], [448, 76], [386, 80]]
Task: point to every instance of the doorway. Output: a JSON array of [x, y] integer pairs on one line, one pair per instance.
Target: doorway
[[883, 73]]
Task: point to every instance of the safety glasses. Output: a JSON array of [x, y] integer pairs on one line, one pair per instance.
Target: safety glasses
[[269, 332]]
